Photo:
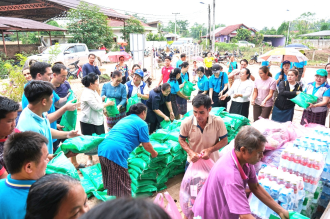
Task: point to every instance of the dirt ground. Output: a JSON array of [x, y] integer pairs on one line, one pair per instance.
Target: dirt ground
[[174, 183]]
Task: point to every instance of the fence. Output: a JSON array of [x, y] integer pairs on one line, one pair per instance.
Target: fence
[[319, 43]]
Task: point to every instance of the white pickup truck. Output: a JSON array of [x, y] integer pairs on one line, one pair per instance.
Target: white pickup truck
[[69, 53]]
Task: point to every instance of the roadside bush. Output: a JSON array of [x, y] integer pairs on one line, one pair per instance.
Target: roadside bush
[[226, 46]]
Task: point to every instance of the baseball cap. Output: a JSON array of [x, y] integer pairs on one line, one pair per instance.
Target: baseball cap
[[321, 72], [286, 62], [139, 72], [216, 67]]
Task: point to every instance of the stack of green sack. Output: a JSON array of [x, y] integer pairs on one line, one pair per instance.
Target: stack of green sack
[[150, 174], [81, 144], [232, 121], [93, 182]]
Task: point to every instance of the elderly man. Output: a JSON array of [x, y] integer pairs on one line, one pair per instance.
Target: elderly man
[[137, 86], [223, 194], [206, 133], [235, 74]]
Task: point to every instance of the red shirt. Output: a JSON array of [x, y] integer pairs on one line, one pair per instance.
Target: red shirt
[[166, 73], [2, 142]]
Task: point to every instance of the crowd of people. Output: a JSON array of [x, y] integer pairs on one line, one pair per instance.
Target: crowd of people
[[30, 133]]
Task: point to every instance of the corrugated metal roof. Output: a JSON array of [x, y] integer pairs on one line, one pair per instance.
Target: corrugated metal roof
[[22, 24], [74, 4]]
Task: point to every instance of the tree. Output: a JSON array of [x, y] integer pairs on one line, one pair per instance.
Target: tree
[[243, 34], [325, 26], [132, 25], [143, 19], [182, 25], [305, 22], [197, 30], [283, 29], [170, 27], [155, 37], [257, 38], [88, 25], [55, 24], [219, 25]]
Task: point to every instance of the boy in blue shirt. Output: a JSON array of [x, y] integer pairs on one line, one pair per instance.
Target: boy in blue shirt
[[26, 157], [180, 61]]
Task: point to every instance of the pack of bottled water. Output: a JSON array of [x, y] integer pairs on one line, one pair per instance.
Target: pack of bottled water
[[285, 188]]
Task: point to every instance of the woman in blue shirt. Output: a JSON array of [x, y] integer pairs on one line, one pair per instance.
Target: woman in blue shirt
[[231, 65], [282, 76], [218, 83], [159, 106], [181, 102], [202, 82], [114, 151], [175, 90], [115, 89]]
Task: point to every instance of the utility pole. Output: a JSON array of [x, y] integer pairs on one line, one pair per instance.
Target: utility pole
[[175, 21], [209, 25], [287, 37], [213, 40]]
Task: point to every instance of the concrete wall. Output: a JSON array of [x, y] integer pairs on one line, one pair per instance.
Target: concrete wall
[[222, 39], [276, 41], [319, 43], [13, 49]]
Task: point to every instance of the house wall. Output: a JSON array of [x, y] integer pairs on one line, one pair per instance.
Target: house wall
[[319, 43], [119, 34], [13, 49], [276, 41]]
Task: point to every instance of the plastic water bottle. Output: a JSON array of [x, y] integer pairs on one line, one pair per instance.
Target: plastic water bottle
[[254, 203], [280, 179], [262, 208], [310, 164], [261, 174], [317, 167], [297, 161], [284, 198], [284, 159], [274, 193], [273, 175]]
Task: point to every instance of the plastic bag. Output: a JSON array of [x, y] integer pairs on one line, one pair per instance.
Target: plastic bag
[[192, 183], [102, 195], [111, 110], [88, 186], [303, 100], [69, 118], [80, 144], [61, 164], [94, 174], [132, 100], [171, 208], [188, 87]]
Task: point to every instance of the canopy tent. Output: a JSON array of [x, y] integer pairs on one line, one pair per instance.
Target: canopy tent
[[322, 33], [23, 25]]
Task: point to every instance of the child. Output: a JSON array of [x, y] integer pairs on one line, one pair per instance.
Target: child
[[194, 71], [147, 77]]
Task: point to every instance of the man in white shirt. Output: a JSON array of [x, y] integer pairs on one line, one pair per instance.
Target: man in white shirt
[[137, 86], [235, 73]]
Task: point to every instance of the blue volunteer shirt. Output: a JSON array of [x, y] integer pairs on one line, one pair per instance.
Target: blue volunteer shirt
[[29, 121], [315, 89], [300, 64], [123, 138], [215, 83], [185, 77], [88, 68], [178, 63], [52, 109], [232, 66], [264, 63], [174, 86], [13, 196], [203, 83], [285, 78]]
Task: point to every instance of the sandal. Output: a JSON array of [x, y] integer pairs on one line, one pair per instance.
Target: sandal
[[89, 163], [80, 166]]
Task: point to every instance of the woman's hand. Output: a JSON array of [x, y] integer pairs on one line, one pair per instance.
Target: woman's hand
[[263, 103], [186, 97], [111, 103], [172, 117], [223, 97], [237, 95], [103, 98], [312, 105], [166, 119], [118, 107], [252, 102], [280, 77], [298, 92], [220, 94], [155, 154]]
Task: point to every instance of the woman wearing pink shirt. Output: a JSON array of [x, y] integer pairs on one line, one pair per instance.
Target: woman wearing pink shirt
[[262, 99]]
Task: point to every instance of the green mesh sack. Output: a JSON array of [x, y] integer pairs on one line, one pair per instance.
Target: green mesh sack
[[69, 118], [158, 159], [188, 87], [174, 135], [111, 110], [159, 135], [94, 174], [62, 165], [216, 111], [148, 188], [303, 100], [296, 215], [141, 183], [189, 113], [139, 162], [150, 174], [161, 148], [133, 173], [144, 194], [165, 124], [88, 186], [80, 144], [174, 145], [135, 168], [132, 100], [161, 187], [102, 195]]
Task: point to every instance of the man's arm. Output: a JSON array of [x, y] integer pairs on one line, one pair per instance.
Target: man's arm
[[185, 146], [69, 106], [97, 70], [263, 196], [63, 135], [161, 79], [206, 152]]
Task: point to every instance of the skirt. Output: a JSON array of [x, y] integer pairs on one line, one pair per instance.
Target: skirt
[[282, 115], [217, 102], [116, 178], [174, 105], [111, 121], [310, 117], [240, 108], [89, 129], [182, 105], [208, 72]]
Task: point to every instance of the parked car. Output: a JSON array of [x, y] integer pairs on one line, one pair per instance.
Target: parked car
[[68, 53], [245, 44]]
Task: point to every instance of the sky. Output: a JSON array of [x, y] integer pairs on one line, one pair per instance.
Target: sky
[[253, 13]]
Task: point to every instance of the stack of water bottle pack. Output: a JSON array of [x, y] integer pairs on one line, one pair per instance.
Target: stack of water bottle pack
[[285, 188]]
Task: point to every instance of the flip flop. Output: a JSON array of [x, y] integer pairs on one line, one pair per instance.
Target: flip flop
[[80, 166]]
